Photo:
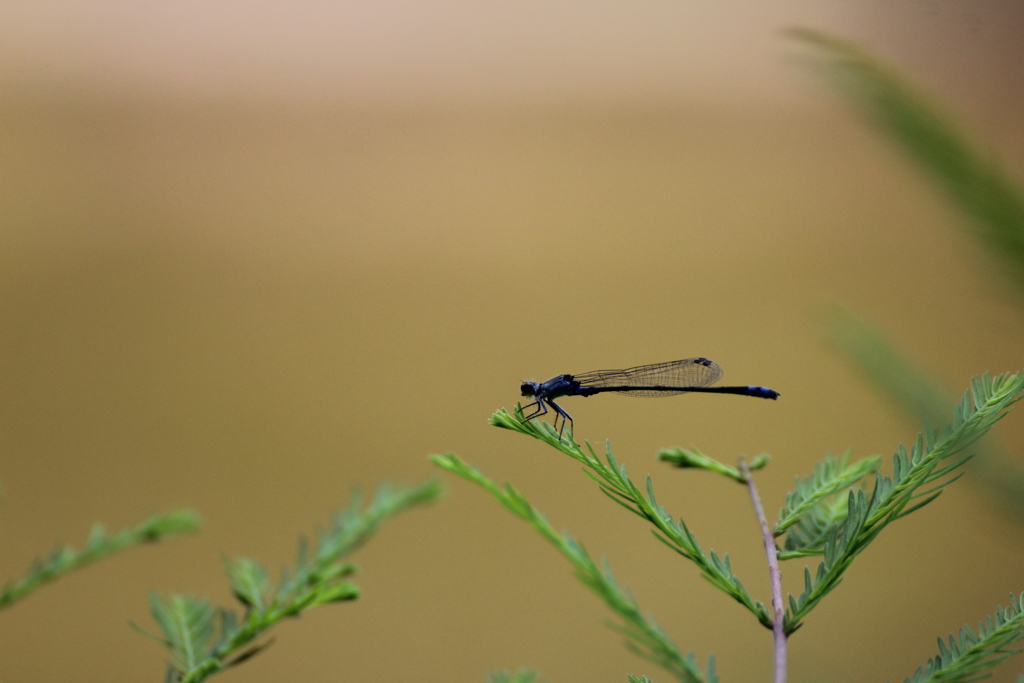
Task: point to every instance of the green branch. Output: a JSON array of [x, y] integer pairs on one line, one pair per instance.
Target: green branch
[[920, 397], [968, 657], [807, 537], [830, 476], [203, 641], [646, 638], [685, 458], [98, 546], [616, 484], [929, 464]]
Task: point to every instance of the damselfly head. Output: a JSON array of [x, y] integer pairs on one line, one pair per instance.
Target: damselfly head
[[529, 388]]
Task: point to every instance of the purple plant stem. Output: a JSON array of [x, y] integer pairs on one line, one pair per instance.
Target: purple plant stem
[[774, 574]]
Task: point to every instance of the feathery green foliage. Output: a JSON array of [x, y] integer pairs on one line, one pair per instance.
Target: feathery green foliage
[[521, 676], [616, 484], [639, 679], [188, 626], [918, 478], [644, 636], [828, 514], [830, 477], [919, 397], [969, 656], [99, 544], [692, 457], [976, 184], [979, 188], [203, 641], [807, 537]]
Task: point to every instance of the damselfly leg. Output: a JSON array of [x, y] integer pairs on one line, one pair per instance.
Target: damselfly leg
[[538, 408], [649, 381], [566, 418]]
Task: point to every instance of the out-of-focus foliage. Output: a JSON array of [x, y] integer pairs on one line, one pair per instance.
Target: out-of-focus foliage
[[917, 479], [616, 484], [521, 676], [643, 634], [968, 656], [203, 640], [100, 544], [831, 476], [920, 398], [975, 184], [973, 180], [828, 515]]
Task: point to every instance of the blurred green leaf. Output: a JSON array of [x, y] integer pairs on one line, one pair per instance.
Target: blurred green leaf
[[614, 481], [98, 545], [188, 627], [884, 367], [968, 656], [919, 397], [830, 476], [199, 649], [977, 186], [521, 676], [644, 636], [917, 479], [249, 582], [975, 183]]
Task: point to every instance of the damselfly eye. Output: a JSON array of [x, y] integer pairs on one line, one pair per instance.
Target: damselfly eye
[[528, 388]]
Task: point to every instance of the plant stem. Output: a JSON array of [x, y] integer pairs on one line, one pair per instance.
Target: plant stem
[[774, 574]]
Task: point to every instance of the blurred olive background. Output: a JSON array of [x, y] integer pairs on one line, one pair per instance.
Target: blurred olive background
[[255, 255]]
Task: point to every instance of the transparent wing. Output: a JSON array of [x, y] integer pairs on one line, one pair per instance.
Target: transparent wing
[[690, 372]]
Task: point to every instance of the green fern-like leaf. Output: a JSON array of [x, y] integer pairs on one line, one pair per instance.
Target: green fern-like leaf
[[199, 649], [975, 183], [643, 634], [692, 457], [968, 656], [920, 397], [807, 537], [188, 626], [817, 504], [613, 480], [99, 545], [830, 476], [249, 582], [918, 478]]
